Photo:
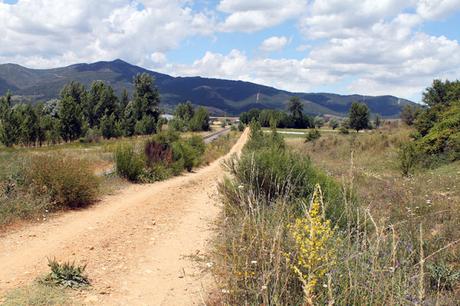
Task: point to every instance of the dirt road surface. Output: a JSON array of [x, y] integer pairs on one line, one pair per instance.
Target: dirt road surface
[[138, 244]]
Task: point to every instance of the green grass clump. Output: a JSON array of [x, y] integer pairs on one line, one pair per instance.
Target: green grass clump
[[408, 158], [270, 173], [312, 135], [66, 275], [129, 163]]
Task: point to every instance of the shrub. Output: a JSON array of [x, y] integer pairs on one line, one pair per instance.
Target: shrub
[[156, 172], [200, 120], [156, 152], [91, 136], [67, 275], [271, 173], [443, 139], [177, 125], [197, 144], [68, 182], [344, 130], [312, 135], [240, 126], [129, 164], [407, 156], [185, 156]]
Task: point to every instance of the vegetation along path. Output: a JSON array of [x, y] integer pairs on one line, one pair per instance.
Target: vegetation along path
[[136, 244]]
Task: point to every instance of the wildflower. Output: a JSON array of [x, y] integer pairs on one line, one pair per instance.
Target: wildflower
[[225, 291], [254, 262], [264, 287], [313, 237], [240, 187]]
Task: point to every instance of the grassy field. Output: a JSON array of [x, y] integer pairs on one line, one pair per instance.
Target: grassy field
[[333, 221], [429, 200]]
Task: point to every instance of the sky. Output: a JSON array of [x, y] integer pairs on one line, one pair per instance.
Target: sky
[[372, 47]]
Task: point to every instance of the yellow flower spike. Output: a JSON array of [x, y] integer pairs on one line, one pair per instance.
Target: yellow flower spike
[[313, 240]]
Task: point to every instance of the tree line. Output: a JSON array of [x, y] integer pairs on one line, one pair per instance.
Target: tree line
[[82, 113], [189, 118], [359, 117]]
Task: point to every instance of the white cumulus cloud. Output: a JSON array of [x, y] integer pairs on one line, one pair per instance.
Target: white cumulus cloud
[[44, 33], [251, 16], [274, 43]]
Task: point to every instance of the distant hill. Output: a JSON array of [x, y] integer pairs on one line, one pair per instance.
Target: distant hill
[[220, 96]]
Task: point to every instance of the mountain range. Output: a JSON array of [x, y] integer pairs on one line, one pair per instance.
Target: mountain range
[[218, 95]]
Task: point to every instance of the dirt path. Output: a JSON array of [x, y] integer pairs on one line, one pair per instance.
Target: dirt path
[[136, 244]]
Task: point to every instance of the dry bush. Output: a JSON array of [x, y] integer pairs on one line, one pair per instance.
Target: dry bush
[[68, 181]]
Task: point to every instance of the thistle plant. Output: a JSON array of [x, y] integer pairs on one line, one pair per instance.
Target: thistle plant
[[314, 251]]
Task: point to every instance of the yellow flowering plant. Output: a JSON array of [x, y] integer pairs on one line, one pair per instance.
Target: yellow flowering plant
[[315, 253]]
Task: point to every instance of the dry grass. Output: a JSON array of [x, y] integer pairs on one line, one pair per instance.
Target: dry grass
[[428, 200], [219, 147], [37, 295], [400, 245]]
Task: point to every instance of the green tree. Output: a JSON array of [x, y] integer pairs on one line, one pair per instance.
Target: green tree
[[377, 121], [145, 126], [252, 114], [93, 101], [28, 124], [8, 122], [441, 93], [77, 91], [146, 101], [70, 119], [359, 116], [200, 120], [184, 111], [408, 114], [107, 126], [124, 100], [295, 107], [333, 123], [41, 133], [129, 119], [267, 116], [318, 122]]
